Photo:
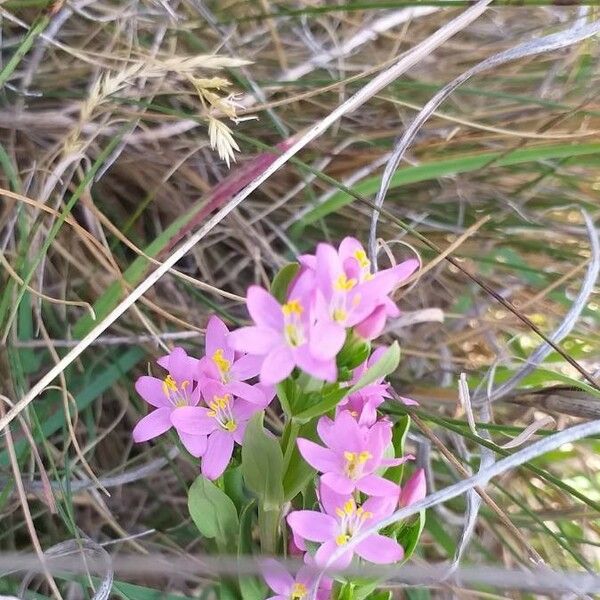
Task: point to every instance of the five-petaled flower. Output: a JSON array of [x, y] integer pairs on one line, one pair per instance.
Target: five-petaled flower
[[223, 421], [169, 395], [281, 336], [340, 520], [353, 455], [287, 587]]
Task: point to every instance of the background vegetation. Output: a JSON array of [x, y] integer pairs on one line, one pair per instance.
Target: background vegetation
[[107, 115]]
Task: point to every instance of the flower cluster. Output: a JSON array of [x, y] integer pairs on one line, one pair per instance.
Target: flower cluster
[[310, 340]]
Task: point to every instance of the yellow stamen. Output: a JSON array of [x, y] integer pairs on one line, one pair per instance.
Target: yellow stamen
[[361, 257], [349, 507], [222, 363], [292, 307], [230, 425], [298, 591], [341, 539], [292, 334], [339, 315], [169, 385], [343, 284]]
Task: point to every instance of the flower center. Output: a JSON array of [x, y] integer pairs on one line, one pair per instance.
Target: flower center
[[220, 410], [352, 518], [222, 363], [299, 590], [293, 329], [177, 395], [355, 462]]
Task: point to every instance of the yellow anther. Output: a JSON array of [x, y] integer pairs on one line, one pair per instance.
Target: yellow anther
[[366, 515], [299, 590], [349, 507], [349, 456], [211, 413], [292, 307], [292, 335], [343, 284], [230, 425], [364, 456], [341, 539], [339, 315], [169, 385], [339, 512], [222, 363], [185, 384], [361, 257]]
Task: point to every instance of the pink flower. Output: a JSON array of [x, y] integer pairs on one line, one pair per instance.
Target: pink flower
[[222, 364], [364, 403], [294, 588], [414, 489], [352, 455], [169, 395], [281, 336], [223, 422], [352, 296], [339, 522]]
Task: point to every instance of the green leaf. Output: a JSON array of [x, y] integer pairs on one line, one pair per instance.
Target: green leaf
[[330, 399], [262, 464], [251, 588], [354, 352], [299, 472], [408, 536], [440, 168], [387, 364], [282, 281], [399, 433], [213, 512]]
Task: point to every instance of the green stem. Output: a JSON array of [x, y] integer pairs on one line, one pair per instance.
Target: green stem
[[291, 434], [268, 525]]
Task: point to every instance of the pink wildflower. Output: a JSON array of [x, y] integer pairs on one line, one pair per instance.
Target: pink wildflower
[[169, 395], [222, 364], [414, 489], [339, 522], [223, 421], [287, 587], [352, 455], [281, 336], [364, 403]]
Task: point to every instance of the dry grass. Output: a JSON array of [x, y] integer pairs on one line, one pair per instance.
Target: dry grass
[[106, 128]]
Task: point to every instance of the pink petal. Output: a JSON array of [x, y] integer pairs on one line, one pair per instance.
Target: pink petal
[[322, 459], [263, 308], [329, 267], [151, 390], [380, 506], [348, 247], [408, 401], [373, 325], [212, 388], [374, 485], [327, 432], [414, 489], [152, 425], [348, 430], [255, 340], [181, 366], [326, 339], [312, 525], [277, 578], [245, 367], [338, 482], [216, 338], [327, 550], [331, 499], [194, 444], [193, 420], [321, 369], [242, 410], [278, 364], [217, 455], [240, 432], [278, 597], [248, 392], [380, 550]]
